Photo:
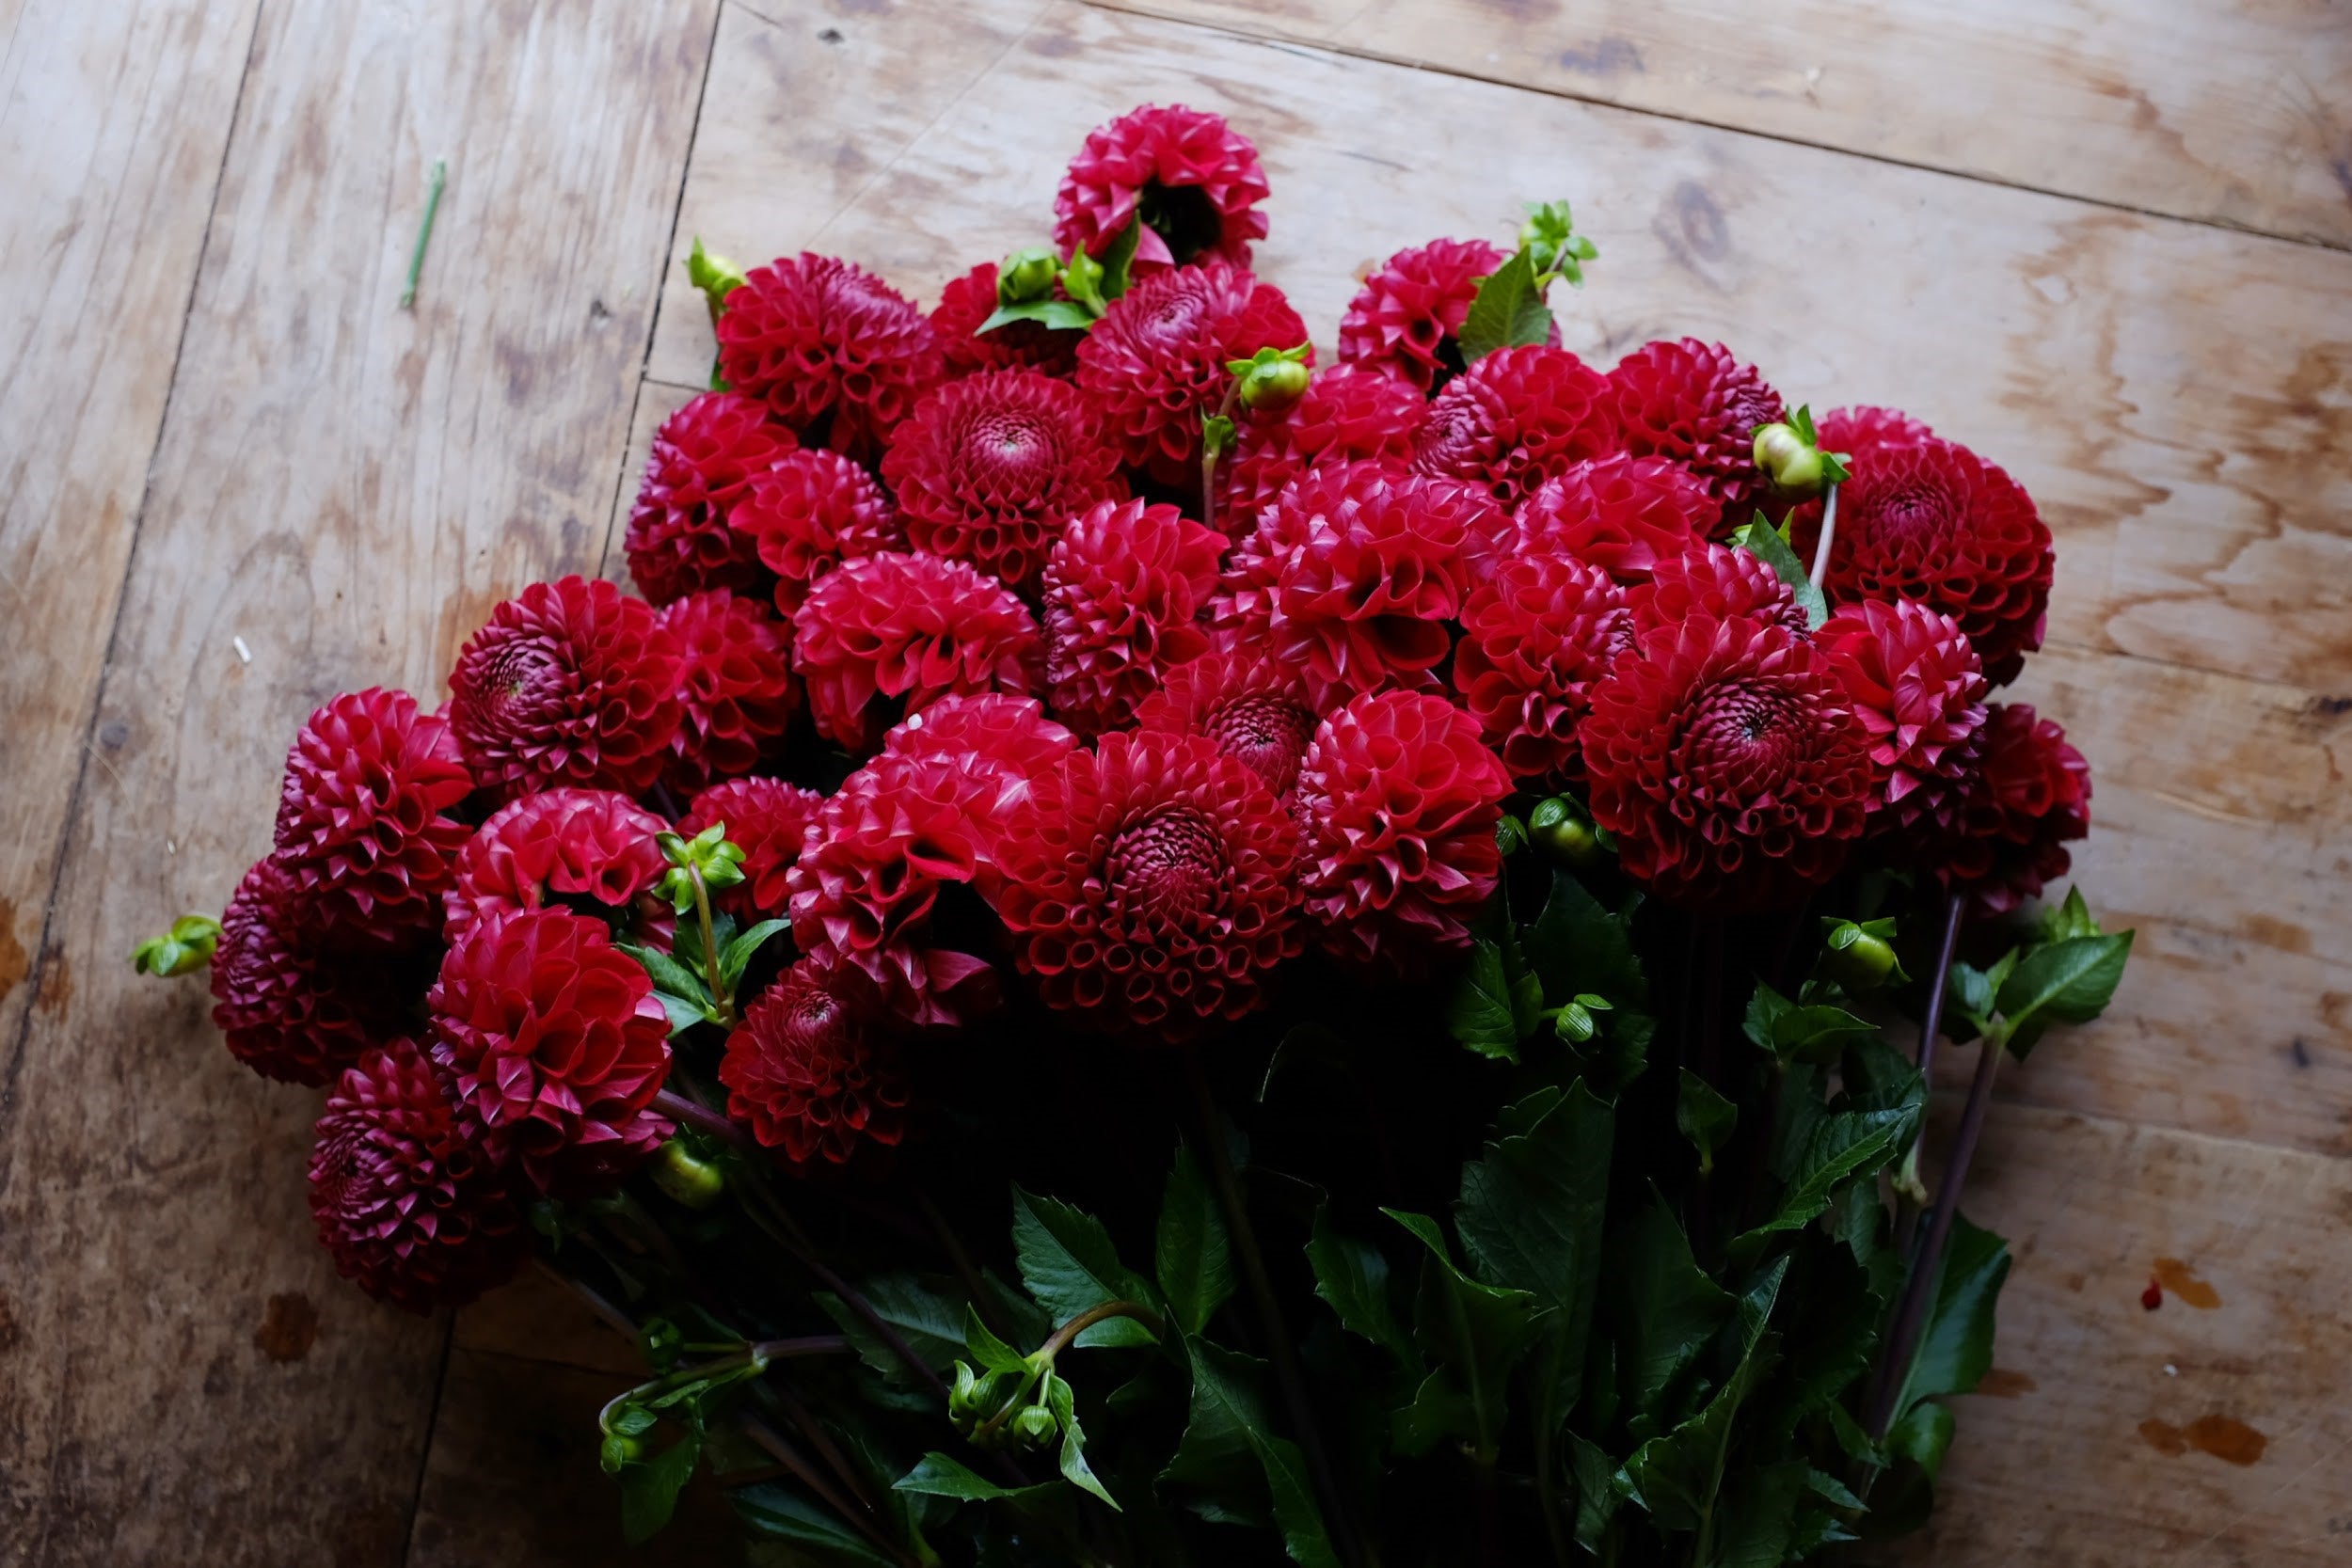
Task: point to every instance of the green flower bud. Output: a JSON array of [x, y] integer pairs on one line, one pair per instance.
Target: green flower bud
[[715, 275], [1033, 1427], [1573, 1024], [616, 1452], [1863, 964], [1027, 276], [687, 1178], [1559, 828], [1272, 386], [1792, 463], [661, 1342], [183, 950]]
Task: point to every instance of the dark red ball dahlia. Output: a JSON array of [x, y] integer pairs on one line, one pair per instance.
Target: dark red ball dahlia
[[704, 457], [888, 636], [1518, 417], [362, 834], [1346, 415], [571, 683], [1148, 885], [810, 1077], [1404, 322], [2030, 796], [1623, 515], [1158, 358], [768, 820], [557, 1043], [408, 1194], [288, 1010], [815, 511], [970, 300], [1726, 760], [1252, 708], [1934, 522], [736, 686], [1698, 405], [1400, 798], [1918, 688], [590, 851], [838, 355], [1194, 183], [1716, 582], [1122, 590], [990, 469], [1534, 639], [1002, 731]]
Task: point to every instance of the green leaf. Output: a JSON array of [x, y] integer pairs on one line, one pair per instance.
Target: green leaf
[[1475, 1334], [1119, 260], [1578, 946], [1353, 1277], [1489, 1011], [1813, 1032], [668, 976], [1839, 1146], [1227, 1435], [1069, 1263], [684, 1014], [1304, 1535], [932, 1323], [649, 1491], [1064, 315], [938, 1476], [1676, 1476], [1597, 1495], [1768, 545], [1956, 1348], [1664, 1309], [1508, 311], [1704, 1116], [775, 1511], [2070, 919], [993, 1354], [1759, 1510], [2070, 982], [1064, 1401], [1194, 1259], [736, 956]]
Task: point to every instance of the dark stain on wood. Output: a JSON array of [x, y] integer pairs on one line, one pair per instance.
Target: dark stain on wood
[[10, 1336], [1605, 57], [2225, 1438], [2003, 1384], [2181, 1279], [290, 1326], [56, 985], [15, 963]]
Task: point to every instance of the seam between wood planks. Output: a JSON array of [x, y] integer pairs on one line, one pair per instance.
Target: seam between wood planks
[[1433, 68], [432, 1429]]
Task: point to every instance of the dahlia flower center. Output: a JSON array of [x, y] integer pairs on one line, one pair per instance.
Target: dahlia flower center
[[1741, 738], [1170, 866], [521, 672], [1266, 735], [1011, 444], [1915, 517]]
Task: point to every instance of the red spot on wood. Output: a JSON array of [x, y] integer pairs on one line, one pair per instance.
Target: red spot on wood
[[2225, 1438], [2153, 1297], [288, 1325]]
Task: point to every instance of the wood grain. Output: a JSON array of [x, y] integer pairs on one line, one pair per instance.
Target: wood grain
[[2226, 114], [348, 488]]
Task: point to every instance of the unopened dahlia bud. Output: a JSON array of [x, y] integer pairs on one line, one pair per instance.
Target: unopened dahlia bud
[[1792, 463], [661, 1342], [1027, 276], [686, 1177], [1859, 957], [1033, 1426], [183, 950], [715, 275], [617, 1451], [1560, 829], [1270, 380]]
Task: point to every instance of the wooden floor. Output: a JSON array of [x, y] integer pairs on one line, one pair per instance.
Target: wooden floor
[[2106, 242]]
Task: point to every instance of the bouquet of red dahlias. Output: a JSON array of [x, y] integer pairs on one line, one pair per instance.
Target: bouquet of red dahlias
[[1142, 952]]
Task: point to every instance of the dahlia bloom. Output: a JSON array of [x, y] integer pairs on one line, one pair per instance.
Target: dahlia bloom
[[590, 851], [1623, 515], [808, 1076], [990, 469], [1517, 418], [1725, 758], [768, 819], [906, 630], [1346, 415], [1004, 732], [1194, 183], [970, 300], [1698, 405], [1148, 885], [1400, 798], [2030, 796], [1716, 582], [704, 458], [407, 1193], [570, 683], [1534, 639], [286, 1010], [1122, 590], [1252, 708], [812, 512], [839, 356], [1406, 319], [1918, 688], [735, 685], [1859, 430]]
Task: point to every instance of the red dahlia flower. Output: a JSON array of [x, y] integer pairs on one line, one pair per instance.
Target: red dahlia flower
[[408, 1194], [1193, 181], [1695, 403], [768, 819], [1623, 515], [1934, 522], [1400, 798], [808, 1077], [1122, 590], [1404, 320], [1716, 582], [735, 684], [1534, 642], [990, 469], [288, 1011], [971, 299], [1726, 760], [1918, 688], [1346, 415], [1158, 358], [569, 684], [589, 850], [1254, 709], [839, 355], [1518, 417], [556, 1042], [704, 458], [815, 511], [1148, 885], [1859, 430], [909, 629], [2030, 796], [362, 835], [1007, 733]]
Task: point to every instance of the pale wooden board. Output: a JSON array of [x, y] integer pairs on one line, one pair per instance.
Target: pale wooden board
[[2223, 113], [348, 487]]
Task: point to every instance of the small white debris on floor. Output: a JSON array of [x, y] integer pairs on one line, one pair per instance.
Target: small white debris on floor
[[245, 655]]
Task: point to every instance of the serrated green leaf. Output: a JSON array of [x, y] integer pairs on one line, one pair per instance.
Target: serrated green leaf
[[1810, 1031], [1353, 1277], [668, 975], [993, 1354], [684, 1014], [1663, 1308], [1704, 1116], [774, 1512], [1508, 311], [1119, 260], [2065, 982], [1063, 315], [1063, 1400], [736, 956], [1764, 542], [1956, 1348], [1597, 1495], [1676, 1476], [1484, 1012], [649, 1490], [1230, 1451], [1069, 1265], [1578, 946], [1476, 1333], [932, 1323], [1193, 1257], [1839, 1146], [938, 1476]]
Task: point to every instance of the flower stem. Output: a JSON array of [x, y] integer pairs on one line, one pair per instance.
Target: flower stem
[[702, 1118], [424, 233], [1931, 1028], [1829, 532], [1209, 457], [790, 1458], [1060, 1341], [719, 998]]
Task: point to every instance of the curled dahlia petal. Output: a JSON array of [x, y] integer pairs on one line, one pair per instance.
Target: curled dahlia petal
[[1726, 760], [1623, 515], [1400, 798], [897, 631], [2030, 796], [1122, 590], [704, 458], [1158, 358], [1698, 405], [810, 1078], [1346, 415], [408, 1193], [1148, 885], [1934, 522], [1252, 708], [1857, 430], [837, 354], [569, 684], [768, 819], [362, 834], [1405, 321], [1717, 582], [590, 851], [1918, 688], [555, 1041], [288, 1010], [734, 685], [1004, 732], [1534, 639], [813, 511], [970, 300], [989, 469], [1518, 417], [1194, 183]]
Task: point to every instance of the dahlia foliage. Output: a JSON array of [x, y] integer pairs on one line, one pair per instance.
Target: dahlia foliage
[[1486, 813]]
